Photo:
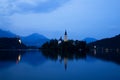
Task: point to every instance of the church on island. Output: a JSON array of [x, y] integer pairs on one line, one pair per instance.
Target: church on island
[[65, 38], [65, 44]]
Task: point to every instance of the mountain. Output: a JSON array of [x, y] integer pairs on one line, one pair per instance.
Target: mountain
[[7, 34], [89, 40], [107, 49], [31, 40], [113, 42], [34, 39]]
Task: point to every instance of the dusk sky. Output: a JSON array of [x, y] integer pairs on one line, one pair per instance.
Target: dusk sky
[[81, 18]]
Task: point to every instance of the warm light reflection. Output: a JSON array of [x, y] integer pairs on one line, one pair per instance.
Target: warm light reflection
[[65, 63], [95, 51], [18, 59]]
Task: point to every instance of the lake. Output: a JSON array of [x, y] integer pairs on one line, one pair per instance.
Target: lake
[[36, 65]]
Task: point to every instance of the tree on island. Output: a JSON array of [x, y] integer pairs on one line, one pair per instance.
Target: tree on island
[[65, 45], [69, 45]]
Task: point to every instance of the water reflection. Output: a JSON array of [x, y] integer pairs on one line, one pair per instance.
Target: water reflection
[[63, 56], [11, 55], [33, 58], [18, 59], [8, 58], [36, 58], [107, 54], [37, 65], [65, 63]]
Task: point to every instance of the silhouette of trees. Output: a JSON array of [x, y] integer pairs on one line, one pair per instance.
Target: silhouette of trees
[[11, 43], [52, 44], [68, 46], [10, 55], [80, 45], [53, 55]]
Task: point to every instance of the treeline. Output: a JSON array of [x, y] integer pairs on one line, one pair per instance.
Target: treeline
[[11, 43], [68, 46], [111, 43]]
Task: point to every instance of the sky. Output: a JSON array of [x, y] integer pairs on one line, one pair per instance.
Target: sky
[[81, 18]]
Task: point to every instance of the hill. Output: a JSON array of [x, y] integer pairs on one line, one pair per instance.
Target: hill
[[89, 40], [34, 40], [7, 34], [113, 42], [107, 49]]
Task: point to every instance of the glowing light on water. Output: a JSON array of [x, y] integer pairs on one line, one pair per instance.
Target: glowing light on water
[[18, 59]]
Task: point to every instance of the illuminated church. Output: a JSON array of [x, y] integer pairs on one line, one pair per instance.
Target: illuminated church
[[65, 36]]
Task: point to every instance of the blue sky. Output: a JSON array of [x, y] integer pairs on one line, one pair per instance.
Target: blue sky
[[81, 18]]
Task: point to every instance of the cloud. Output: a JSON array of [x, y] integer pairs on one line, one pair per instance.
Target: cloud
[[8, 7], [5, 22], [81, 18]]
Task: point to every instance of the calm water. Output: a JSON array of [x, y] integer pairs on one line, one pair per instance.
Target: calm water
[[34, 65]]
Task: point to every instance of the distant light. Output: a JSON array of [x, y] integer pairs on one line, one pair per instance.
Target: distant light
[[20, 41], [59, 42], [95, 46]]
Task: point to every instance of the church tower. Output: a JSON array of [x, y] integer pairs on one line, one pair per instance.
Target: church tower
[[65, 36]]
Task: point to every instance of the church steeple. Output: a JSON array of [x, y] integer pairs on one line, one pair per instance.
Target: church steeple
[[65, 32], [65, 36]]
